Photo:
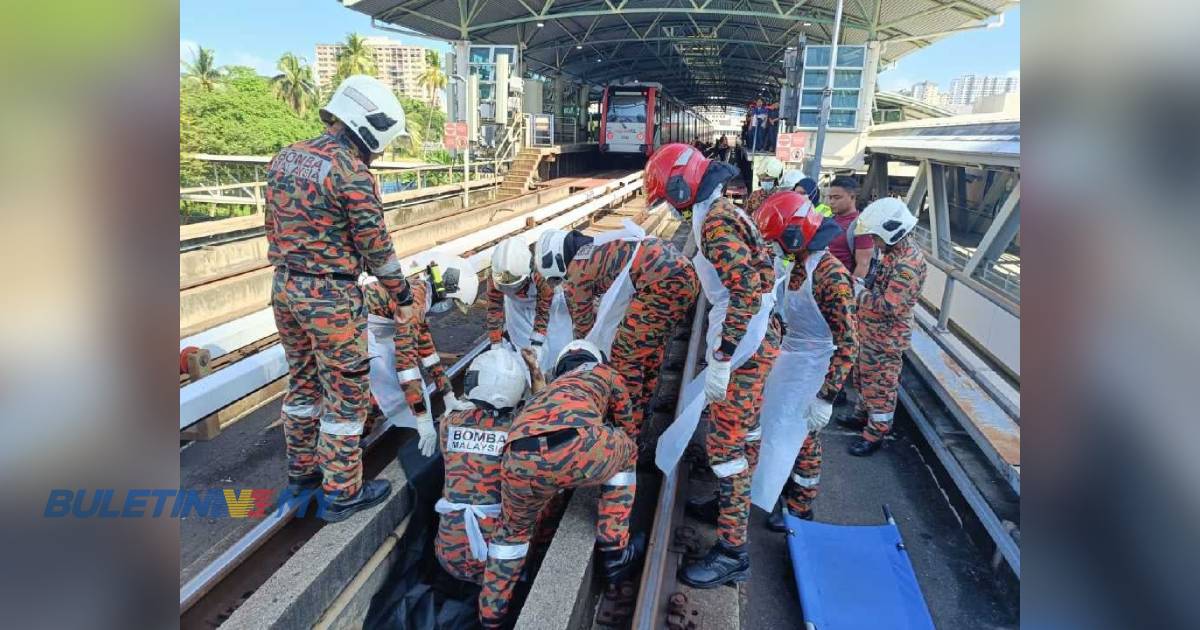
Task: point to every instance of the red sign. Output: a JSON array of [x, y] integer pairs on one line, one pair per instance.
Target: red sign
[[454, 136], [789, 147]]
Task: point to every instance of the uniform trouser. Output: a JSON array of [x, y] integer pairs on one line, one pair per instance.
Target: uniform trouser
[[322, 325], [801, 488], [878, 379], [641, 340], [601, 455], [731, 442]]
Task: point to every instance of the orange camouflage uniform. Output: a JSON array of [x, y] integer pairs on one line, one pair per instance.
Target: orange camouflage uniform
[[495, 308], [665, 288], [592, 403], [413, 342], [324, 225]]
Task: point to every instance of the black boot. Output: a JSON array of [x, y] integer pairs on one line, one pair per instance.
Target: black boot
[[722, 565], [864, 448], [371, 494], [840, 399], [299, 485], [618, 563], [776, 523], [852, 421], [704, 509]]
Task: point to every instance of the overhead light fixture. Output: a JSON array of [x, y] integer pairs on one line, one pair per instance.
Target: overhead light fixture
[[578, 47], [541, 24], [806, 24]]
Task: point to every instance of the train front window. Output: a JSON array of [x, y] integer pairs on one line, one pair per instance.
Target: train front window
[[627, 108]]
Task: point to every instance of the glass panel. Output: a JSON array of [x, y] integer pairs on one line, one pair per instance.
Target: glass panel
[[485, 91], [845, 98], [815, 79], [810, 98], [627, 108], [485, 72], [479, 54], [847, 79], [508, 50], [808, 119], [842, 119], [851, 56], [816, 56]]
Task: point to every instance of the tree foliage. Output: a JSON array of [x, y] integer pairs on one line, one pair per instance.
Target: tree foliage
[[294, 84], [354, 58], [432, 78], [202, 70]]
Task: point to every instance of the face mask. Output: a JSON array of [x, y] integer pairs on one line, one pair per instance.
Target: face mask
[[768, 185]]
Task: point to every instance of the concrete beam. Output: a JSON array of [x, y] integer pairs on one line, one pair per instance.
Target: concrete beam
[[565, 592]]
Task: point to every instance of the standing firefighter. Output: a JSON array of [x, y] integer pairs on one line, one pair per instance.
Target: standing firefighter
[[885, 318], [572, 434], [473, 439], [325, 226], [627, 293], [817, 353], [768, 173], [402, 345], [735, 270], [523, 306]]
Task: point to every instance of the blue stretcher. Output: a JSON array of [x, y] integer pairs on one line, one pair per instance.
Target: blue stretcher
[[855, 576]]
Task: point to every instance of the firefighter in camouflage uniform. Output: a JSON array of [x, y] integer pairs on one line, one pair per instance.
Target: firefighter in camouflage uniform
[[663, 287], [885, 319], [769, 173], [324, 226], [571, 434], [472, 439], [735, 270]]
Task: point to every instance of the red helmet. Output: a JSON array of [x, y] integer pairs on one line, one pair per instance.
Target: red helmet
[[788, 218], [673, 173]]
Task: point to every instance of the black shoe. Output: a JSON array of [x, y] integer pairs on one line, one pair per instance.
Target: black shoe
[[776, 523], [299, 485], [840, 399], [371, 494], [854, 422], [704, 509], [864, 448], [722, 565], [618, 563]]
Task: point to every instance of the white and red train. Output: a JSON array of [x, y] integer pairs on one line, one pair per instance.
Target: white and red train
[[637, 118]]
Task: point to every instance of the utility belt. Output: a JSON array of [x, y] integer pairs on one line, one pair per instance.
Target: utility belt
[[333, 275], [553, 440]]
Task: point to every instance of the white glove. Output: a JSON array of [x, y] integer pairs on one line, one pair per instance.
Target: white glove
[[453, 403], [818, 414], [539, 351], [428, 434], [859, 287], [716, 383]]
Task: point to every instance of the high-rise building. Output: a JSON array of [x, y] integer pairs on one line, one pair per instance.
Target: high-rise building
[[397, 65], [969, 88], [927, 92]]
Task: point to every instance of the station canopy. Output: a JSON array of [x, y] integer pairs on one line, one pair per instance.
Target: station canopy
[[697, 49]]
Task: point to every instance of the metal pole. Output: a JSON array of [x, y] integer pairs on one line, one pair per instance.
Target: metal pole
[[826, 97], [467, 149]]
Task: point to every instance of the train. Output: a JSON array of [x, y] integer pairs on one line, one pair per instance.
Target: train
[[637, 118]]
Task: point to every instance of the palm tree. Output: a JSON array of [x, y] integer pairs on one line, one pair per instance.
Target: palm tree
[[354, 58], [202, 69], [432, 78], [294, 84]]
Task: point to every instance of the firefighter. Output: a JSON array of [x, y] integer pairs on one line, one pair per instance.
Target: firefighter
[[523, 307], [885, 319], [624, 291], [472, 440], [324, 226], [818, 350], [572, 434], [407, 344], [794, 179], [735, 270], [769, 172]]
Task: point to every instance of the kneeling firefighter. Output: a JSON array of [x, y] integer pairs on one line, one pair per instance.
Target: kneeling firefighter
[[571, 434], [473, 439], [400, 346], [523, 306], [625, 293], [818, 350], [735, 270]]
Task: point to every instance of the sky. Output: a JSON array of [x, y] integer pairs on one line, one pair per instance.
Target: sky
[[256, 33]]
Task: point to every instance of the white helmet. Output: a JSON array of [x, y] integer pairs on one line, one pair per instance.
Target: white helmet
[[549, 254], [770, 168], [511, 264], [887, 218], [368, 109], [790, 178], [452, 279], [581, 352], [497, 377]]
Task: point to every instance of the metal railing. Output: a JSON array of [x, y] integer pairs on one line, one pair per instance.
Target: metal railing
[[566, 130]]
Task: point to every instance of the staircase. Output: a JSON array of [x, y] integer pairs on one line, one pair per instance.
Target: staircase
[[522, 172]]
